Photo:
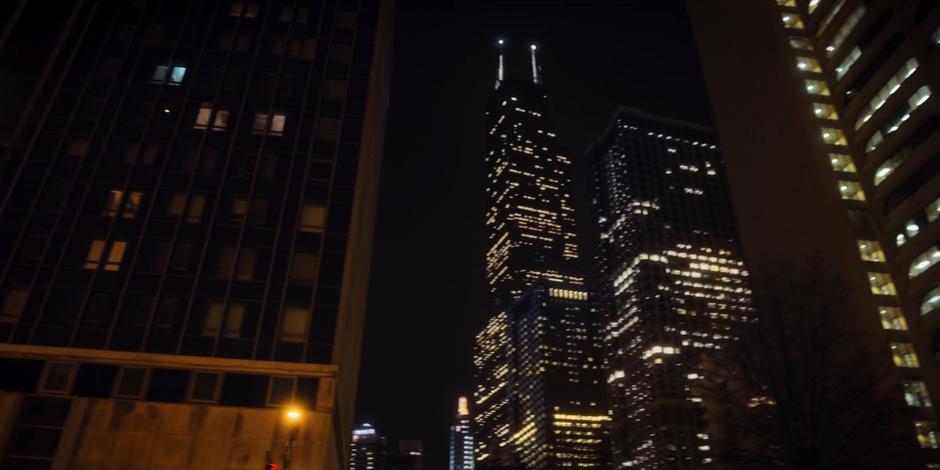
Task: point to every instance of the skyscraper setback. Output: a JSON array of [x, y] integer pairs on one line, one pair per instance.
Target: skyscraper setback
[[539, 398], [671, 282], [188, 194]]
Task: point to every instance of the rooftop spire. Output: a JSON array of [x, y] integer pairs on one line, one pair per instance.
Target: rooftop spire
[[536, 76], [499, 71]]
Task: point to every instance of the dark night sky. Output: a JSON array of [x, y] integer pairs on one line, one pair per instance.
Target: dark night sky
[[428, 292]]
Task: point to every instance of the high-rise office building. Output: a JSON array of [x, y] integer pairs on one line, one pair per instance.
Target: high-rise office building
[[368, 449], [461, 439], [671, 283], [494, 399], [529, 219], [831, 137], [539, 398], [188, 194]]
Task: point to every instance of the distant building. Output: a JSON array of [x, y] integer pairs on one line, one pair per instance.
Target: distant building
[[539, 399], [368, 450], [671, 280], [409, 456], [830, 124], [461, 439], [187, 201]]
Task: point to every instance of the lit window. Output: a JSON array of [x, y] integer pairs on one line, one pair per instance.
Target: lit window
[[847, 26], [903, 355], [881, 284], [931, 301], [927, 435], [847, 63], [294, 325], [812, 6], [206, 115], [851, 190], [14, 302], [312, 218], [96, 252], [915, 393], [271, 122], [825, 111], [933, 210], [787, 3], [923, 262], [829, 17], [841, 162], [871, 251], [911, 228], [233, 322], [800, 42], [892, 318], [894, 84], [113, 204], [196, 205], [791, 20], [919, 97], [169, 74], [816, 87], [885, 169], [808, 64], [131, 202], [833, 136]]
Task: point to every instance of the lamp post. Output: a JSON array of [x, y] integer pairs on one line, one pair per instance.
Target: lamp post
[[293, 416]]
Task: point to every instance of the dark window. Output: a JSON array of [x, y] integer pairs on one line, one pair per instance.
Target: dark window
[[282, 391], [913, 184], [94, 380], [244, 390], [345, 20], [168, 385], [20, 375], [58, 377], [131, 383], [166, 314], [204, 387], [304, 266]]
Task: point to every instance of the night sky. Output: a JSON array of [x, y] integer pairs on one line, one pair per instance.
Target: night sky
[[428, 295]]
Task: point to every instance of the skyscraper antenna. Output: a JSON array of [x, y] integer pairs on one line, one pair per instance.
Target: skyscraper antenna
[[536, 79], [499, 71]]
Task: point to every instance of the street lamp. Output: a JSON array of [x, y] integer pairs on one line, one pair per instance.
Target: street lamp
[[293, 416]]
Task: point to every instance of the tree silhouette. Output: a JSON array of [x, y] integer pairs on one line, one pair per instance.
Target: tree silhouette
[[805, 387]]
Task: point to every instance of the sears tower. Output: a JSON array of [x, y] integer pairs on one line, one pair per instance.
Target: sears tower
[[539, 395]]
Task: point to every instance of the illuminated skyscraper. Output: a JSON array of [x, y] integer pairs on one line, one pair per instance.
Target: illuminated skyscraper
[[368, 450], [494, 402], [529, 219], [187, 199], [539, 398], [461, 439], [671, 281], [831, 133]]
